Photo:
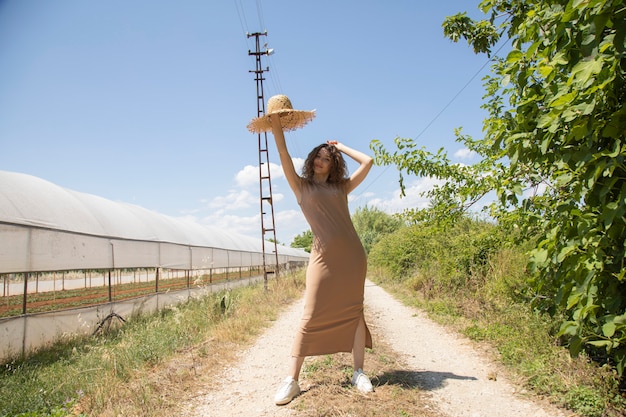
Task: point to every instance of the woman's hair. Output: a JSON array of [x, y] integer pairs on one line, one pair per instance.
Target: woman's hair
[[338, 169]]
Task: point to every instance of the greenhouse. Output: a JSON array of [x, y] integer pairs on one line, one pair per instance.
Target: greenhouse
[[49, 233]]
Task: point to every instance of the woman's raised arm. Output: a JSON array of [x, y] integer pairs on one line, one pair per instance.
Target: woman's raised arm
[[293, 178], [365, 164]]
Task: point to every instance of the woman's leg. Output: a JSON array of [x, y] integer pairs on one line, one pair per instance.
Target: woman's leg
[[295, 365], [289, 388], [358, 347], [359, 379]]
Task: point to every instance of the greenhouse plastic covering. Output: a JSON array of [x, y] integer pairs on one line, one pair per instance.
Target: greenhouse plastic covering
[[44, 227]]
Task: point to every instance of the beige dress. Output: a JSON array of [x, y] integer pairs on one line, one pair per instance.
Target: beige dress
[[335, 277]]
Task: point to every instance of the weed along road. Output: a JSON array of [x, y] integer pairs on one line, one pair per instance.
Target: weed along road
[[452, 375]]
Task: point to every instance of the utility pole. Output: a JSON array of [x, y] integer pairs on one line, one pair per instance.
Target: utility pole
[[265, 181]]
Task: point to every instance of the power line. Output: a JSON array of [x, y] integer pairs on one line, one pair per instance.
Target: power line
[[274, 76], [472, 78], [242, 18], [259, 11], [489, 60], [275, 79]]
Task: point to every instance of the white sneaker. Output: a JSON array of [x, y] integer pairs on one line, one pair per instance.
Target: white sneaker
[[287, 391], [361, 381]]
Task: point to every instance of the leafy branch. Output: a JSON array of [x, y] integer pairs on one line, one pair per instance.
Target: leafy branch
[[556, 126]]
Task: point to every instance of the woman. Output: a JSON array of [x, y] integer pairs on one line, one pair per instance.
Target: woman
[[333, 319]]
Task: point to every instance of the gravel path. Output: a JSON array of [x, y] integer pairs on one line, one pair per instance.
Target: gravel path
[[463, 383]]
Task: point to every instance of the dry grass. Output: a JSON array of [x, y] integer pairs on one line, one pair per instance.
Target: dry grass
[[163, 387], [327, 389], [326, 379]]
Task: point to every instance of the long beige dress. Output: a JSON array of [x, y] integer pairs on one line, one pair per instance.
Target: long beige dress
[[335, 277]]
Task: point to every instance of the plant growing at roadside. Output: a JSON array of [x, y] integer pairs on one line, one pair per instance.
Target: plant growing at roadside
[[372, 224], [304, 240], [554, 152]]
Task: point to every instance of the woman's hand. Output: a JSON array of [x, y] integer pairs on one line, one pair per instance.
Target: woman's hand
[[335, 144]]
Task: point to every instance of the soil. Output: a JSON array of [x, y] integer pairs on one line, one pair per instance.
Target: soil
[[461, 377]]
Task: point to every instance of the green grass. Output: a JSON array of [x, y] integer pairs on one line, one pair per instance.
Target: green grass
[[127, 369], [155, 362], [472, 277], [525, 340]]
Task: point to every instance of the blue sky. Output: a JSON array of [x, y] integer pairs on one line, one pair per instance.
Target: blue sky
[[147, 101]]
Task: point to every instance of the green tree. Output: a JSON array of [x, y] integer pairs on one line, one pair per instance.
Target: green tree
[[372, 224], [304, 240], [554, 153]]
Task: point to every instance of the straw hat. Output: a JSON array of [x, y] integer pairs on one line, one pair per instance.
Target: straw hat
[[290, 119]]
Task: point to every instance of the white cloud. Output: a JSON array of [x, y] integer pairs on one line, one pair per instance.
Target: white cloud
[[234, 200], [246, 225], [298, 163], [464, 153], [413, 199], [289, 224], [249, 175], [239, 211], [278, 197], [358, 199]]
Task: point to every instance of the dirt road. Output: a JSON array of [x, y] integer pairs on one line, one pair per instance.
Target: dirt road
[[461, 379]]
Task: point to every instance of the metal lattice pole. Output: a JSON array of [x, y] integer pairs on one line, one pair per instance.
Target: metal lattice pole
[[268, 224]]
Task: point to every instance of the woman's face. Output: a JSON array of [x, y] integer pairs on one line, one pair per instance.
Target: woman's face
[[322, 162]]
